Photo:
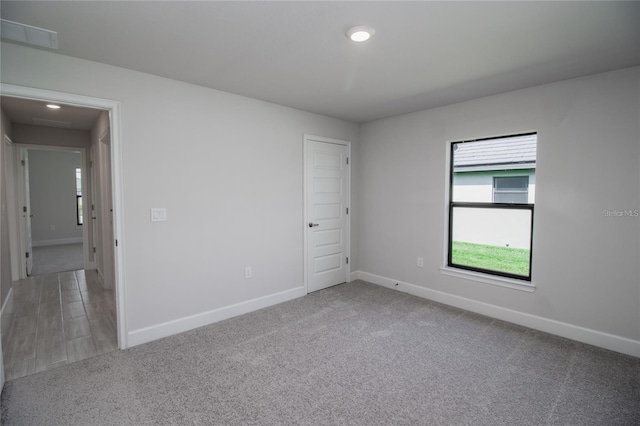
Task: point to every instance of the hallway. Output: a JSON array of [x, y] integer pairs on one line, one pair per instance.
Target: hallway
[[54, 319]]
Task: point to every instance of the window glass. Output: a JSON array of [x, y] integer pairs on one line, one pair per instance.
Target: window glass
[[492, 239], [511, 189]]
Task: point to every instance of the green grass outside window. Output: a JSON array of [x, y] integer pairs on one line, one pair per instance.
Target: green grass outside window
[[501, 259]]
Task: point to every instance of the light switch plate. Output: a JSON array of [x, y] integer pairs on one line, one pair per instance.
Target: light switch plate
[[158, 214]]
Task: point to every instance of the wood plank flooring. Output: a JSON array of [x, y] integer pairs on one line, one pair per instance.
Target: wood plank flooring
[[54, 319]]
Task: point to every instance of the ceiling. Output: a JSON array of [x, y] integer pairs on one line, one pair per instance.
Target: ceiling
[[36, 113], [423, 54]]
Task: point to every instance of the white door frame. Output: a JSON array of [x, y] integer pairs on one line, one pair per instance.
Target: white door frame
[[13, 213], [308, 138], [113, 107], [106, 212]]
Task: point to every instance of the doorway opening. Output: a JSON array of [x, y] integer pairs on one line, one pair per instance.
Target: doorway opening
[[52, 192], [80, 311]]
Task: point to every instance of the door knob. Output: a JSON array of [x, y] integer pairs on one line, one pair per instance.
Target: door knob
[[311, 225]]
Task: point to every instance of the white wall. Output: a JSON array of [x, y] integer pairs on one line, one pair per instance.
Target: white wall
[[229, 170], [52, 183], [585, 265]]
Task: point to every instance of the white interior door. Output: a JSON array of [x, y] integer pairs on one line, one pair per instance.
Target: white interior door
[[92, 207], [106, 212], [327, 204], [12, 207], [26, 213]]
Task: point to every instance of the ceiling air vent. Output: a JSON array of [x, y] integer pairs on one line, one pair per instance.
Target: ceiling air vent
[[22, 33]]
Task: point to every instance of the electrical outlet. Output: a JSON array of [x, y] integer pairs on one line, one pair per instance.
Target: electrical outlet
[[53, 227], [420, 262], [248, 272]]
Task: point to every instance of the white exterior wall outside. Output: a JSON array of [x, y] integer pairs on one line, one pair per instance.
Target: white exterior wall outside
[[503, 228], [478, 186]]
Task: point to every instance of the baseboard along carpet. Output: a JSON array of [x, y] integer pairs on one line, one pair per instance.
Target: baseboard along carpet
[[354, 354]]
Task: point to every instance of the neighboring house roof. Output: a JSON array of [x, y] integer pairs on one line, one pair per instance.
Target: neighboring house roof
[[517, 152]]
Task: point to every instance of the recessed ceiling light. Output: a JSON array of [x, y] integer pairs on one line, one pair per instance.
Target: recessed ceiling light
[[53, 106], [360, 33]]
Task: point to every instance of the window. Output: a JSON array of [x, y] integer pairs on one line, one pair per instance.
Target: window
[[511, 189], [79, 196], [491, 204]]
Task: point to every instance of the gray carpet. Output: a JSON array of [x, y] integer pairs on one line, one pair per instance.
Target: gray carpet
[[59, 258], [355, 354]]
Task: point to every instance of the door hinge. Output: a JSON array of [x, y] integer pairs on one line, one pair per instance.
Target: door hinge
[[93, 207], [347, 160], [24, 209], [26, 255], [347, 210], [347, 260], [94, 249], [116, 243], [22, 162]]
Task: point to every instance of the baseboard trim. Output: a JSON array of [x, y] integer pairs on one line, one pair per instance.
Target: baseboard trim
[[58, 242], [6, 300], [149, 334], [581, 334]]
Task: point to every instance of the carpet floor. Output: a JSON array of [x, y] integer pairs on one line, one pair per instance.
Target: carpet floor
[[60, 258], [354, 354]]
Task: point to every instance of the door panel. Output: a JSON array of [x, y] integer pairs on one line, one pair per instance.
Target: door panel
[[94, 236], [13, 217], [26, 214], [106, 212], [327, 197]]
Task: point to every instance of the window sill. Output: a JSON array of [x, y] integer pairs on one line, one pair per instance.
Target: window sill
[[488, 279]]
